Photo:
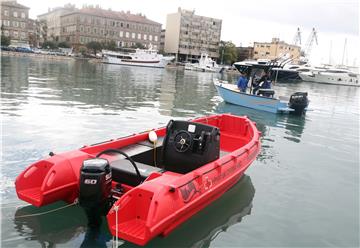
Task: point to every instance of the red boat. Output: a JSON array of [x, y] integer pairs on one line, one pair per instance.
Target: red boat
[[148, 183]]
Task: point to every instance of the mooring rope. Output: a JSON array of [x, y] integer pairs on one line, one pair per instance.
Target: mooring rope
[[46, 212]]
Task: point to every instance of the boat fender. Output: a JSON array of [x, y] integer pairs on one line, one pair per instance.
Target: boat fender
[[153, 136], [51, 154]]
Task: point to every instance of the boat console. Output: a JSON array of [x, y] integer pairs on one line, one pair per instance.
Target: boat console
[[266, 92], [189, 145]]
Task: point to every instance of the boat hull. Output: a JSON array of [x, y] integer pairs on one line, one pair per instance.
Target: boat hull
[[166, 198], [327, 78], [154, 64], [230, 94]]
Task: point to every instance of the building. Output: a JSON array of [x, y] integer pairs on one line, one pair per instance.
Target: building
[[95, 24], [275, 49], [245, 53], [14, 22], [188, 35], [37, 32], [162, 41], [53, 21]]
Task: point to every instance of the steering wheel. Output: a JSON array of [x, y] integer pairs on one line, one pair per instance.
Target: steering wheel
[[182, 141]]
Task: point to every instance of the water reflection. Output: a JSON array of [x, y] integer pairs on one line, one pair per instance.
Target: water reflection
[[106, 88], [294, 125], [66, 225]]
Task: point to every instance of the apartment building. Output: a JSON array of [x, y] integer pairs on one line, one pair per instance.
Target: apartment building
[[245, 53], [95, 24], [53, 20], [188, 35], [14, 22], [276, 49]]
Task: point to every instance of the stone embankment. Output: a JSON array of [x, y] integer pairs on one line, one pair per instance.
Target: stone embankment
[[36, 55]]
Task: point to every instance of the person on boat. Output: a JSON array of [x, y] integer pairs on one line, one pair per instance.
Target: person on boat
[[242, 82], [263, 83]]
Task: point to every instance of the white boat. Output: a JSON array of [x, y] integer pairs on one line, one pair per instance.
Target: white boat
[[205, 64], [332, 76], [139, 57]]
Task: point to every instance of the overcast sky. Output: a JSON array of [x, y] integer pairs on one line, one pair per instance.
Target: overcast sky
[[256, 20]]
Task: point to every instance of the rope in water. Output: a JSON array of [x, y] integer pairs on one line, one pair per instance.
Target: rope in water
[[46, 212]]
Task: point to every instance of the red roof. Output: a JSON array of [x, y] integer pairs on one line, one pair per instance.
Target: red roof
[[115, 15]]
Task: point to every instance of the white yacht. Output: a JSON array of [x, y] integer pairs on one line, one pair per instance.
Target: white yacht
[[205, 64], [138, 57], [331, 76]]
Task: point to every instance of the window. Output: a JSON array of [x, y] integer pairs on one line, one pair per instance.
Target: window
[[121, 34], [23, 15], [22, 35], [145, 37], [155, 38], [81, 29], [6, 33], [6, 12], [139, 36], [150, 37], [121, 24], [127, 34], [127, 25], [15, 14], [22, 24], [15, 24], [6, 22], [133, 35], [15, 33]]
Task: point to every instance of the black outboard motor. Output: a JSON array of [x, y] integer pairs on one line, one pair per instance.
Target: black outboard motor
[[299, 101], [95, 189]]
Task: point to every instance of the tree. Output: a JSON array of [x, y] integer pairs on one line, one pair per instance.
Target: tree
[[138, 45], [110, 45], [82, 50], [94, 46], [5, 41], [64, 44], [49, 45], [228, 52]]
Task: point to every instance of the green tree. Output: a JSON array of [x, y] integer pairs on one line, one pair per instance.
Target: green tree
[[228, 52], [138, 45], [94, 46], [82, 50], [49, 45], [5, 40], [64, 44], [110, 45]]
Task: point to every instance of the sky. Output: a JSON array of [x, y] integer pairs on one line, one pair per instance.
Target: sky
[[244, 22]]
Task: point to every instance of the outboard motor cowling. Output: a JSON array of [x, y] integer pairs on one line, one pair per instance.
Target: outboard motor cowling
[[95, 188], [298, 101]]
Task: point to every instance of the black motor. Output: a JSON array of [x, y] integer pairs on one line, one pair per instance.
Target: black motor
[[189, 145], [298, 101], [95, 188]]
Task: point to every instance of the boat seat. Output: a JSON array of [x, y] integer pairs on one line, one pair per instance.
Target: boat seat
[[122, 169], [124, 172]]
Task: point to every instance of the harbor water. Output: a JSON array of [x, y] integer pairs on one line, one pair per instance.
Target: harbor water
[[302, 190]]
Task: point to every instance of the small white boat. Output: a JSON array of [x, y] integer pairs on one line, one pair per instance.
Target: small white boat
[[205, 64], [332, 76], [139, 57]]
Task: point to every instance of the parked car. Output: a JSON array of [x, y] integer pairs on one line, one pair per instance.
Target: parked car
[[23, 50]]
